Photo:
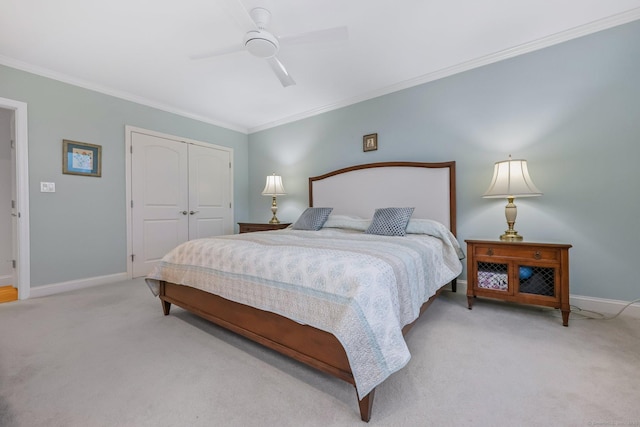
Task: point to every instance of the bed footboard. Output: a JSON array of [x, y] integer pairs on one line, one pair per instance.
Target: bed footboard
[[318, 349], [314, 347]]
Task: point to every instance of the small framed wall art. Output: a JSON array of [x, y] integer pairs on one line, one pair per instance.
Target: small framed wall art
[[370, 142], [81, 158]]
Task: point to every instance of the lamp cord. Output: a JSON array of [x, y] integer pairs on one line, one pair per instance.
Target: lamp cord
[[600, 316]]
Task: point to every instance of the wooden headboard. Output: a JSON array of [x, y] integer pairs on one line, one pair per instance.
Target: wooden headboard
[[359, 190]]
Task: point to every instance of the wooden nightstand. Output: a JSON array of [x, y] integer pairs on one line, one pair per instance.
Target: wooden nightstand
[[523, 272], [250, 227]]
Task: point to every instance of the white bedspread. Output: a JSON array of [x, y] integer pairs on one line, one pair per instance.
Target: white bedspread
[[361, 288]]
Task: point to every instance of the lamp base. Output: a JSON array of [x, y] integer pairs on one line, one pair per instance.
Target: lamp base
[[274, 220], [510, 211], [274, 209], [511, 236]]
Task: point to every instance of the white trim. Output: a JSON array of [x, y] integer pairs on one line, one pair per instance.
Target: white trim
[[128, 165], [603, 306], [57, 288], [582, 30], [23, 271], [14, 63]]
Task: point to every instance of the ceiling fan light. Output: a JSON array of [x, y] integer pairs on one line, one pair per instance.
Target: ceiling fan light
[[261, 44]]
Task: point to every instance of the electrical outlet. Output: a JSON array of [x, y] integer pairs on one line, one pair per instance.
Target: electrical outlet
[[47, 187]]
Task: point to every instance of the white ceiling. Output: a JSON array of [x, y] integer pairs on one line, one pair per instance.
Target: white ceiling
[[140, 49]]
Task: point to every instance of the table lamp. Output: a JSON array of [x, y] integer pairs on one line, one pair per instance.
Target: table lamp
[[511, 179], [273, 188]]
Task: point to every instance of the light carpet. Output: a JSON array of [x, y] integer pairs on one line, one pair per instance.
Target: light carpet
[[107, 356]]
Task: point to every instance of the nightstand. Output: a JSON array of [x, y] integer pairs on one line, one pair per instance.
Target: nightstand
[[522, 272], [250, 227]]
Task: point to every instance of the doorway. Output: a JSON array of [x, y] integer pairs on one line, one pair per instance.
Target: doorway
[[14, 222]]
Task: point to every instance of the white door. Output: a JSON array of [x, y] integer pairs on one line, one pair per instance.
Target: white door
[[179, 191], [7, 192], [14, 198], [20, 194], [209, 195], [159, 182]]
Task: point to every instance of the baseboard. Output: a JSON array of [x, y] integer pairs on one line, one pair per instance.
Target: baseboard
[[606, 307], [598, 305], [603, 306], [6, 280], [57, 288]]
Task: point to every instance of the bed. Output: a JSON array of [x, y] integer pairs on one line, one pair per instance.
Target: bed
[[310, 294]]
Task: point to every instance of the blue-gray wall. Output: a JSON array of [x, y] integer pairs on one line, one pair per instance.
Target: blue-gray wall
[[79, 231], [572, 110]]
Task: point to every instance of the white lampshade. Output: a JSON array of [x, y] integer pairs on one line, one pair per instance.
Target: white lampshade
[[511, 179], [273, 186]]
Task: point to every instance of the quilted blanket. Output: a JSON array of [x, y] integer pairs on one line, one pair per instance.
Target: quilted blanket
[[361, 288]]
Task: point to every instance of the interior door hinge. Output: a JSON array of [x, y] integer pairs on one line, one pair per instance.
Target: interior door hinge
[[13, 263], [132, 203], [13, 143], [131, 148], [13, 204], [132, 257]]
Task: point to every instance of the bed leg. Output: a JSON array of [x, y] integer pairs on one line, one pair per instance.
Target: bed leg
[[166, 307], [454, 285], [366, 404]]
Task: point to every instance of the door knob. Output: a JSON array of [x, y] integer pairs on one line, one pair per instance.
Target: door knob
[[183, 212], [193, 212]]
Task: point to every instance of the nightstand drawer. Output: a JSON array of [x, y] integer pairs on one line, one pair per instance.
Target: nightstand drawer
[[513, 251]]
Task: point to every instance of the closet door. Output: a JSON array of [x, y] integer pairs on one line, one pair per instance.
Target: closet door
[[179, 191], [160, 199], [209, 195]]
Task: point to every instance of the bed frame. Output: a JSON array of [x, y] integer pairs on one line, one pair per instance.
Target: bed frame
[[369, 186]]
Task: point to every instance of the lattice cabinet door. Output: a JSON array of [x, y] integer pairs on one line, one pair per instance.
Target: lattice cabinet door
[[536, 281], [522, 272]]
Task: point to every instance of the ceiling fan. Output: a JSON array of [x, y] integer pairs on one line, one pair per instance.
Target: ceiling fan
[[261, 43]]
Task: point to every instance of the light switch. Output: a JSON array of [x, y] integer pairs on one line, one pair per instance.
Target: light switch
[[47, 187]]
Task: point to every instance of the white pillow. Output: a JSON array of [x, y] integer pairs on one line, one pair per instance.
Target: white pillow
[[435, 229], [347, 221], [426, 226]]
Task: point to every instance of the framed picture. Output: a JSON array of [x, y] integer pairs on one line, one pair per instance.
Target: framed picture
[[370, 142], [81, 158]]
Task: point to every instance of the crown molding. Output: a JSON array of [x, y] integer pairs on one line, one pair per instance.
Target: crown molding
[[563, 36], [44, 72], [573, 33]]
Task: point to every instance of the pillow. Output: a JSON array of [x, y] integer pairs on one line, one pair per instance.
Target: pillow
[[435, 229], [312, 219], [426, 226], [347, 222], [390, 221]]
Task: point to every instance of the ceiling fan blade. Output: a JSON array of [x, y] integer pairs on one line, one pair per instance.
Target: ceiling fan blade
[[336, 34], [218, 52], [237, 12], [280, 71]]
